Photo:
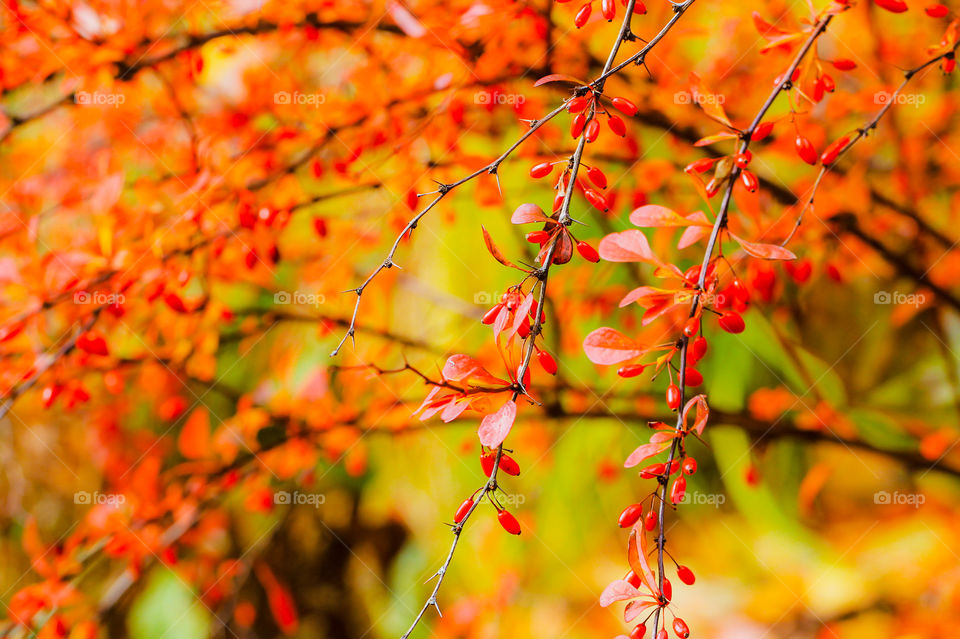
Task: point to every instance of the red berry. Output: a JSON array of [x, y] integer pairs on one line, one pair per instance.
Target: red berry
[[680, 627], [486, 463], [509, 465], [689, 465], [632, 578], [598, 201], [662, 634], [582, 15], [639, 631], [547, 363], [508, 522], [537, 237], [462, 511], [578, 104], [844, 64], [624, 105], [617, 126], [630, 370], [412, 199], [608, 10], [828, 84], [686, 575], [763, 130], [92, 342], [597, 177], [650, 521], [743, 159], [805, 150], [732, 322], [700, 347], [320, 226], [576, 128], [541, 170], [831, 152], [937, 11], [653, 470], [893, 6], [592, 130], [588, 252], [491, 316], [667, 589], [691, 327], [749, 181], [679, 489], [673, 396], [692, 377], [630, 515]]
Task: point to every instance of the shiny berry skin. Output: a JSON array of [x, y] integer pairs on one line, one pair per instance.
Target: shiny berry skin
[[462, 511], [700, 347], [650, 520], [582, 15], [749, 181], [667, 589], [486, 463], [578, 104], [597, 177], [673, 396], [541, 170], [844, 64], [692, 377], [763, 130], [686, 575], [732, 322], [831, 152], [508, 522], [680, 628], [617, 126], [701, 166], [491, 316], [639, 631], [588, 252], [631, 370], [537, 237], [689, 465], [893, 6], [624, 106], [662, 635], [691, 327], [592, 130], [937, 11], [653, 470], [547, 363], [679, 489], [743, 159], [608, 10], [805, 150], [630, 515], [509, 465], [576, 128]]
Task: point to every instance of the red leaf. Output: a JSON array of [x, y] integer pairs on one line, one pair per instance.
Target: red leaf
[[627, 246], [495, 427], [703, 413], [653, 215], [694, 234], [608, 346], [460, 368], [765, 251], [194, 439], [557, 77], [279, 600], [618, 591], [637, 558], [495, 252], [527, 213], [645, 452]]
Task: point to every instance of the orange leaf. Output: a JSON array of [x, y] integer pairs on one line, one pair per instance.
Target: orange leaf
[[194, 439]]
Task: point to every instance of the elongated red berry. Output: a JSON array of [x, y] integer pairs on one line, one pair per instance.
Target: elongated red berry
[[463, 510], [486, 463], [630, 370], [541, 170], [732, 322], [537, 237], [667, 589], [608, 10], [686, 575], [588, 252], [691, 327], [678, 490], [640, 630], [692, 377], [937, 11], [597, 177], [662, 634], [491, 316], [653, 470], [701, 166], [578, 104], [680, 628], [624, 106], [630, 515], [843, 64], [833, 150], [508, 522], [893, 6], [509, 465], [547, 363], [576, 128], [763, 130], [582, 15], [592, 130], [650, 520], [805, 150], [638, 7], [700, 347], [749, 180], [673, 396], [828, 84], [689, 465], [617, 126]]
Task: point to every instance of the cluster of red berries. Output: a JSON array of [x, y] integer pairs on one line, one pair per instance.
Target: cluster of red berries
[[506, 520], [608, 10]]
